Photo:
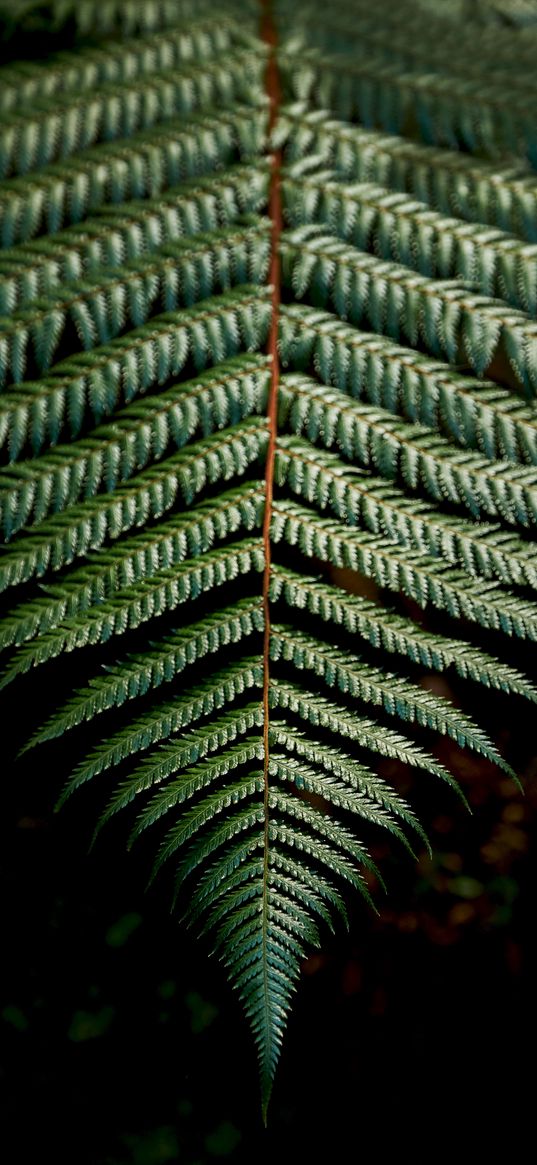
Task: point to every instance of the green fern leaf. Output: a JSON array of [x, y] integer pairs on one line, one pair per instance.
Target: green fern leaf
[[472, 413], [244, 522]]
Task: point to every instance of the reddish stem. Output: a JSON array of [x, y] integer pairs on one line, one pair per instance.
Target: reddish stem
[[268, 33]]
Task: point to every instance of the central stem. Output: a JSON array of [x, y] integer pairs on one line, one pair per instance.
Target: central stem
[[268, 33], [275, 212]]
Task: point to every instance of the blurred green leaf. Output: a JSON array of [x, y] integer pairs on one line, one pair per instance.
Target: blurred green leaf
[[166, 989], [89, 1025], [223, 1141], [465, 887], [202, 1012], [14, 1016], [153, 1148], [120, 932]]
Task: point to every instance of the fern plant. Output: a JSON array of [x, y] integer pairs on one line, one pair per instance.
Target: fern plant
[[268, 358]]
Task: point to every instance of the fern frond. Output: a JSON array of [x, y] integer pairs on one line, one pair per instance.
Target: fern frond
[[32, 490], [445, 315], [87, 526], [56, 127], [473, 413], [419, 458], [140, 166], [94, 383], [402, 36], [344, 773], [385, 629], [133, 560], [139, 674], [362, 730], [117, 18], [448, 111], [308, 825], [298, 900], [207, 811], [167, 485], [397, 227], [192, 780], [131, 607], [92, 66], [229, 871], [129, 17], [394, 695], [192, 750], [128, 230], [239, 908], [101, 306], [370, 502], [167, 718], [423, 578], [451, 182]]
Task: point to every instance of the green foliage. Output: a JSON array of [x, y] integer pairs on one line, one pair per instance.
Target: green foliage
[[239, 677], [450, 182], [470, 112], [103, 305], [473, 413], [396, 226], [37, 413], [115, 61], [55, 127], [111, 454], [128, 231], [140, 166], [447, 317]]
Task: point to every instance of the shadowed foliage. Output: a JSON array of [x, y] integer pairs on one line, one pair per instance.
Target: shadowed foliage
[[238, 499]]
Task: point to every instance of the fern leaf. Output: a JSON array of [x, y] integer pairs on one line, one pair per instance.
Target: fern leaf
[[106, 574], [399, 228], [230, 871], [87, 526], [451, 182], [425, 579], [126, 232], [172, 758], [147, 671], [476, 414], [167, 718], [374, 801], [191, 780], [165, 488], [56, 127], [131, 607], [446, 316], [394, 695], [32, 490], [128, 17], [363, 730], [95, 383], [401, 35], [384, 628], [90, 67], [140, 166], [470, 113], [100, 307], [411, 453]]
